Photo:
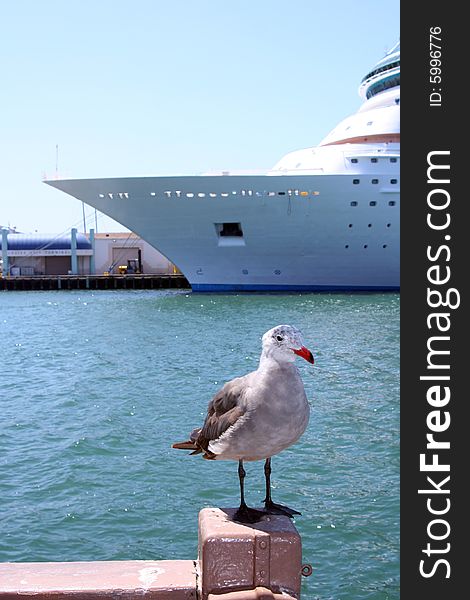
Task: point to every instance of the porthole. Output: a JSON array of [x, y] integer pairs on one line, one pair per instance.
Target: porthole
[[393, 181], [347, 246], [350, 225], [355, 181], [375, 181], [384, 246], [392, 203], [354, 160], [353, 203], [190, 195], [373, 203], [374, 160], [365, 245], [370, 225], [393, 159], [389, 224]]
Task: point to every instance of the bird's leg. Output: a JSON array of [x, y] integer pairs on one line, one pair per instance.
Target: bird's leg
[[241, 476], [267, 476], [245, 514], [269, 505]]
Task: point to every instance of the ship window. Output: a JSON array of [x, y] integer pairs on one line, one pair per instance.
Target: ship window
[[304, 193], [167, 194], [212, 195], [178, 193], [201, 195], [229, 229], [354, 160], [271, 193], [365, 245], [315, 193], [388, 224], [152, 193], [101, 195], [355, 181], [347, 246], [190, 195], [393, 159], [375, 181], [370, 225], [224, 195], [372, 203], [374, 160], [393, 181], [392, 203], [384, 246], [281, 193], [350, 225], [353, 203]]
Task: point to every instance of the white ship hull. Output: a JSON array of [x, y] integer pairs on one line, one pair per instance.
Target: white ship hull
[[306, 232]]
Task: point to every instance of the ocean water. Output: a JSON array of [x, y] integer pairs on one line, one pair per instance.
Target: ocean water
[[96, 386]]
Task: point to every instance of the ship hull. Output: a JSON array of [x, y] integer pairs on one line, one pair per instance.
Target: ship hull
[[293, 232]]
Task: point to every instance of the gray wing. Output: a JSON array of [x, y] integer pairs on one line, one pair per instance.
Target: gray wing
[[224, 410]]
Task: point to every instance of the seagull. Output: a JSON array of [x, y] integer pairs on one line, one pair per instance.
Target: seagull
[[258, 415]]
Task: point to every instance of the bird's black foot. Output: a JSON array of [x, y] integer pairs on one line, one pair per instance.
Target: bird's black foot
[[246, 514], [278, 509]]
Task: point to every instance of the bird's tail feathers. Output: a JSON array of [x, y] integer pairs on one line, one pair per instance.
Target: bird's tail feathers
[[189, 445]]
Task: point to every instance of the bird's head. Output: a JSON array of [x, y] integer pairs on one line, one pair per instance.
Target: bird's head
[[284, 342]]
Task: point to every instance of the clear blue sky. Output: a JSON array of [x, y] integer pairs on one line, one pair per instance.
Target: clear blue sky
[[168, 87]]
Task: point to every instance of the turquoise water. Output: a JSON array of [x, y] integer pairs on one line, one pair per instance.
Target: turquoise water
[[96, 386]]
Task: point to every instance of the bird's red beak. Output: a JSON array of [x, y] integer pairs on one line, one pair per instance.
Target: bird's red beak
[[305, 353]]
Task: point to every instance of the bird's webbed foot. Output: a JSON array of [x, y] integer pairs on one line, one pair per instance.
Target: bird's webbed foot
[[245, 514], [272, 508]]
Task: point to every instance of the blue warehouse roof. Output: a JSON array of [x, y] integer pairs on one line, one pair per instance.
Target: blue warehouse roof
[[44, 241]]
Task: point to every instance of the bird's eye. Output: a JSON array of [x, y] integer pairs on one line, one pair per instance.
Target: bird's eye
[[279, 338]]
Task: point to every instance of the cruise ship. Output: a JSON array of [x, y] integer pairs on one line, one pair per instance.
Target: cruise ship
[[323, 218]]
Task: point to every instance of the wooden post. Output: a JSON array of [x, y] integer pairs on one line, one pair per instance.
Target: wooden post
[[235, 557]]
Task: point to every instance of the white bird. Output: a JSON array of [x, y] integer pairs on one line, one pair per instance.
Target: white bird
[[258, 415]]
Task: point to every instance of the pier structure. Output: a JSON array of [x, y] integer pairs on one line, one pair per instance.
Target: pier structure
[[94, 282], [262, 561]]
